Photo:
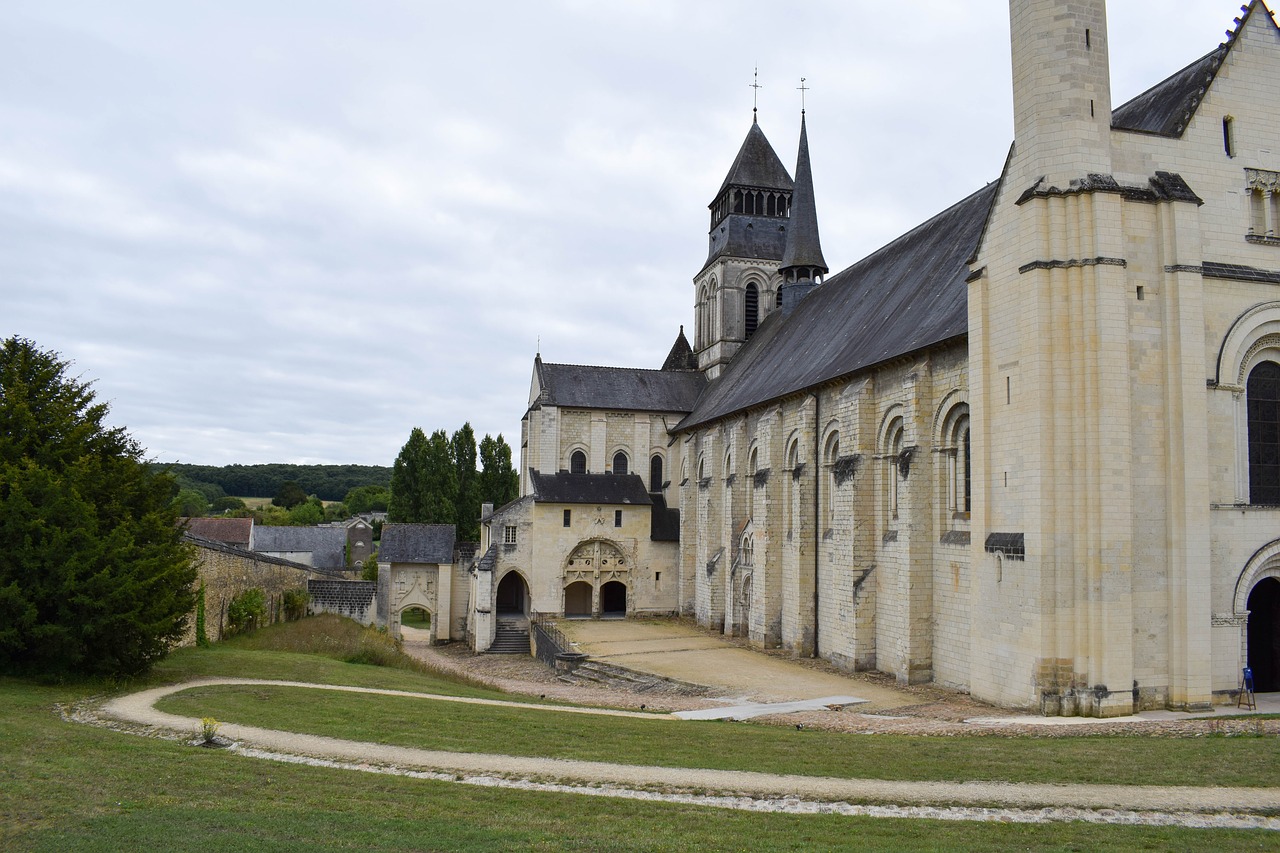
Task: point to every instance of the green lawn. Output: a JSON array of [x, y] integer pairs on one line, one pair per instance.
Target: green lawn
[[1230, 761], [65, 786]]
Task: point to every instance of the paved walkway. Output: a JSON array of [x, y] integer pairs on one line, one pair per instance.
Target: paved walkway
[[1167, 803], [676, 650]]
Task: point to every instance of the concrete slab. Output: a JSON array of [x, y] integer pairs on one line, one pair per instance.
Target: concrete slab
[[760, 709], [676, 650]]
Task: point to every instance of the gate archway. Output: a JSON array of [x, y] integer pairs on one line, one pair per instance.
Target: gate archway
[[513, 594], [1264, 635], [577, 599], [613, 599]]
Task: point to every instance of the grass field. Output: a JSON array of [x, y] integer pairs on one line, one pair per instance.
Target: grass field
[[65, 786]]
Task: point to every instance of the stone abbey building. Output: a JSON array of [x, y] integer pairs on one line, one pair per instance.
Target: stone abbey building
[[1030, 449]]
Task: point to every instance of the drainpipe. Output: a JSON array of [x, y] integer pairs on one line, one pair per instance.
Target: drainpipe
[[817, 527]]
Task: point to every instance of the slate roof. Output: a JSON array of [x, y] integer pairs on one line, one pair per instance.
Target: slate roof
[[234, 531], [227, 548], [1168, 107], [417, 543], [582, 386], [681, 356], [757, 165], [804, 249], [327, 545], [907, 295], [565, 488]]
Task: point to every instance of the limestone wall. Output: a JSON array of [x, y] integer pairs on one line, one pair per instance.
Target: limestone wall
[[227, 571]]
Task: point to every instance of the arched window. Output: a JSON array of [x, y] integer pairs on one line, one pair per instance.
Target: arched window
[[753, 465], [619, 463], [830, 455], [957, 469], [700, 312], [713, 319], [793, 463], [892, 451], [728, 465], [751, 310], [578, 462], [1263, 393], [777, 297], [655, 473]]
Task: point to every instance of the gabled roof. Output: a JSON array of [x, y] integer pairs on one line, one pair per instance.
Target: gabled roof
[[417, 543], [327, 545], [906, 296], [757, 165], [565, 488], [1168, 107], [235, 531], [681, 356], [804, 249], [582, 386]]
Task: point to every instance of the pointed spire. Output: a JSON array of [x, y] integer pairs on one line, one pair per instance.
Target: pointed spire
[[804, 249], [681, 356]]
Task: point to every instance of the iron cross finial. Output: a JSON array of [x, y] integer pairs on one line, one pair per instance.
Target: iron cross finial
[[755, 94], [803, 88]]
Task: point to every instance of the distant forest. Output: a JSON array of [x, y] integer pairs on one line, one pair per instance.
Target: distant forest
[[327, 482]]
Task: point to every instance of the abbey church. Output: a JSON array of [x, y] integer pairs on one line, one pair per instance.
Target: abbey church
[[1029, 449]]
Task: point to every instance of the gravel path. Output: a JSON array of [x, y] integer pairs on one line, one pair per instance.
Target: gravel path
[[1191, 806]]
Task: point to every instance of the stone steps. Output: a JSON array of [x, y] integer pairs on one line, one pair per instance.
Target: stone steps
[[511, 637]]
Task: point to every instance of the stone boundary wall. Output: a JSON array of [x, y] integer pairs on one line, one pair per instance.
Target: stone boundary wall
[[226, 571], [356, 600]]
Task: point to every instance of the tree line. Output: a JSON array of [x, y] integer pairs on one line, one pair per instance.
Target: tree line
[[327, 482], [436, 480]]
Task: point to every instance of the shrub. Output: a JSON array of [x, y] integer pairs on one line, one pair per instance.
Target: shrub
[[246, 612], [377, 648], [295, 603], [369, 571]]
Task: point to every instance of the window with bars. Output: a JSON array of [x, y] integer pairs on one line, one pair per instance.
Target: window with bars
[[509, 535]]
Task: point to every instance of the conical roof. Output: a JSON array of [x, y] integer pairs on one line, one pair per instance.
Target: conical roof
[[804, 249], [681, 356], [757, 165]]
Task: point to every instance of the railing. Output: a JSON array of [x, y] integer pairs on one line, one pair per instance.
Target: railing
[[549, 642]]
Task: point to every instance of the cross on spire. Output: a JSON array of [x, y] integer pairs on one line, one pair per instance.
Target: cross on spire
[[803, 88], [755, 94]]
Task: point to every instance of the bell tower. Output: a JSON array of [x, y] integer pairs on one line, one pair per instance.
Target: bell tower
[[739, 284]]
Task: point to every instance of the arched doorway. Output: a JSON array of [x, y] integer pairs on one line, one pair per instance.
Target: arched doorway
[[577, 599], [1264, 635], [613, 599], [513, 594]]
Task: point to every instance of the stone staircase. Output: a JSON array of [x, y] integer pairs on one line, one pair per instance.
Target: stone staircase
[[512, 636], [599, 672]]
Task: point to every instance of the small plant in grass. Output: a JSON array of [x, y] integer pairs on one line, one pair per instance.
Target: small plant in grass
[[209, 731]]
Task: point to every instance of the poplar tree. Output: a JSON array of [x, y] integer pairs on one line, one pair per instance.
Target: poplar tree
[[499, 484]]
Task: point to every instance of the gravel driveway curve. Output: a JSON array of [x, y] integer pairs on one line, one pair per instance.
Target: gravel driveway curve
[[138, 709]]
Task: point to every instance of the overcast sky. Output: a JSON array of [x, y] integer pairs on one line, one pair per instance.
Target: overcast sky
[[292, 231]]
